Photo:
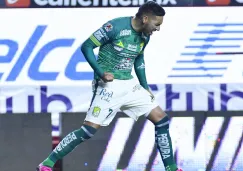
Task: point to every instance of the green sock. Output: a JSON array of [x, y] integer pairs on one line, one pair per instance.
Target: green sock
[[171, 168], [164, 144], [68, 143], [48, 162]]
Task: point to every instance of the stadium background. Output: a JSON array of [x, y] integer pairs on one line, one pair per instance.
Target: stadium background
[[45, 85]]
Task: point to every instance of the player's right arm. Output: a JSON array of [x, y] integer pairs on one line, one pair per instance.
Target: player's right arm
[[100, 37]]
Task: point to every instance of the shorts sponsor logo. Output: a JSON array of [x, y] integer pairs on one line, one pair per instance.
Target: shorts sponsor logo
[[106, 95]]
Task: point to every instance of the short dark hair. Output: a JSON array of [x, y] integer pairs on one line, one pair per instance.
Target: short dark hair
[[150, 7]]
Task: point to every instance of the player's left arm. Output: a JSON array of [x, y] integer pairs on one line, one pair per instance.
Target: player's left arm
[[139, 68], [100, 37]]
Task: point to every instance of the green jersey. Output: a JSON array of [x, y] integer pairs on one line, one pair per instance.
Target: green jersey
[[120, 47]]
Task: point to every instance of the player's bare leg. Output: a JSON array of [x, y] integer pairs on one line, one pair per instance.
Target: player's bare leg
[[67, 145], [162, 137]]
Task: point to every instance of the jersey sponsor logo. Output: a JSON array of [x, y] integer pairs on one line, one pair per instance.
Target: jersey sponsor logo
[[127, 55], [125, 32], [108, 27], [132, 47], [124, 64], [98, 35], [17, 3]]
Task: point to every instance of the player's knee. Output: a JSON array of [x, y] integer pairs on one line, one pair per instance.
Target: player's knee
[[163, 123], [156, 115], [96, 126]]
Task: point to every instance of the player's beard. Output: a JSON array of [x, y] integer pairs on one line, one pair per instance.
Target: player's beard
[[147, 30]]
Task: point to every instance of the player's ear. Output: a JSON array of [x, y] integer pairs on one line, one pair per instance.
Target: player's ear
[[145, 19]]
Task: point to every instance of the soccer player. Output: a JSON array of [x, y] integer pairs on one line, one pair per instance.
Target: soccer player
[[122, 42]]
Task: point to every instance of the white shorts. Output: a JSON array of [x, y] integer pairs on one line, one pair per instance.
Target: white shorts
[[127, 96]]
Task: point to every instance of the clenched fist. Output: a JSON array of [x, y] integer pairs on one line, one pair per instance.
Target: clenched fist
[[108, 77]]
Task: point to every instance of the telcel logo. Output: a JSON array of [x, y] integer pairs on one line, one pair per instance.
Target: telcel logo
[[33, 69]]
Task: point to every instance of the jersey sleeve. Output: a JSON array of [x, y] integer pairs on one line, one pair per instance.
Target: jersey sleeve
[[146, 42], [101, 36], [139, 67], [104, 34]]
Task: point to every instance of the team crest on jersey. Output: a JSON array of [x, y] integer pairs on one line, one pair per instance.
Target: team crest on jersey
[[108, 27], [96, 111]]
